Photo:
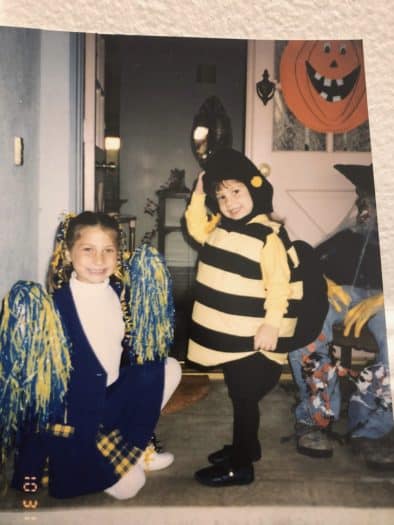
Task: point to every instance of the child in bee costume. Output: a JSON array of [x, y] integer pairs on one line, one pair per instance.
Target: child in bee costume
[[252, 302], [84, 370]]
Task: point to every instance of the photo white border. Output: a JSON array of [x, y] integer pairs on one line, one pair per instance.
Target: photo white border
[[269, 20]]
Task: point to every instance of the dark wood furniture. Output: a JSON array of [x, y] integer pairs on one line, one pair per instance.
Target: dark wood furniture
[[180, 259], [366, 342], [171, 207]]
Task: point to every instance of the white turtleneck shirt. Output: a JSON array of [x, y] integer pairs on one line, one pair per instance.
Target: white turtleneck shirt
[[100, 314]]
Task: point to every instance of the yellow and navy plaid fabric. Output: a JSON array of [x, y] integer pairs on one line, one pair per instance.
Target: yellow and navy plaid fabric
[[119, 453], [60, 430]]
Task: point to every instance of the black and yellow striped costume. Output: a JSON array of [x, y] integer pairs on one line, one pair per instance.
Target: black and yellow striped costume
[[249, 276], [243, 280]]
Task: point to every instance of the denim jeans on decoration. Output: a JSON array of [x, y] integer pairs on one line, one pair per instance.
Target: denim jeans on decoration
[[370, 410]]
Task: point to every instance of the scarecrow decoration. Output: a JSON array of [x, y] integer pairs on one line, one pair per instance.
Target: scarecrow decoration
[[323, 84]]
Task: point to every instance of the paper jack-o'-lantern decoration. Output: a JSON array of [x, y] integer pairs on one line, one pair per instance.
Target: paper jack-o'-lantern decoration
[[323, 84]]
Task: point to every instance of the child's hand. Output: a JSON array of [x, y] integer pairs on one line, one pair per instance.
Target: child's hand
[[266, 338], [199, 189]]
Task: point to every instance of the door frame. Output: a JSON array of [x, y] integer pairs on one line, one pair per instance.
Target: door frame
[[94, 122], [89, 123], [77, 91]]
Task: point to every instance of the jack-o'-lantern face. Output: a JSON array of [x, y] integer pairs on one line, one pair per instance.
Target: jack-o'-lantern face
[[323, 84]]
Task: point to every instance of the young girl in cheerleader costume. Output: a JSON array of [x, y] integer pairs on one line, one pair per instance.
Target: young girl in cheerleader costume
[[84, 369]]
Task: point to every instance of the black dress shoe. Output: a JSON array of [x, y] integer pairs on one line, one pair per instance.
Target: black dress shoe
[[224, 475], [224, 455]]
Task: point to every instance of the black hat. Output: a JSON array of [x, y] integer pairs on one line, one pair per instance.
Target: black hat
[[227, 164], [360, 176]]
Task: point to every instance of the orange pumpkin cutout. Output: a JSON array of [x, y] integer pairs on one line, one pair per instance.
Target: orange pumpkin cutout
[[323, 84]]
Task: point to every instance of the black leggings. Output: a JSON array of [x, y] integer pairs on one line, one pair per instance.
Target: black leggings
[[248, 380]]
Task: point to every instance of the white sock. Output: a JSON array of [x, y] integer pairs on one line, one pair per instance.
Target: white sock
[[129, 484], [172, 378], [132, 482]]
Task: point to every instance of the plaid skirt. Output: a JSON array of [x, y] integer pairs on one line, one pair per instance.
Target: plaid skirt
[[83, 461]]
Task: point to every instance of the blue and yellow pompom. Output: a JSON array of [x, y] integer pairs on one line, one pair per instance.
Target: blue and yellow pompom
[[150, 305], [34, 362]]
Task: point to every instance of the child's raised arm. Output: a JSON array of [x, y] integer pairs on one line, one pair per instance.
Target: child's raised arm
[[197, 222], [199, 189]]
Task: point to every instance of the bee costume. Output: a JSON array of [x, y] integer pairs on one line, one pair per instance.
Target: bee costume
[[249, 273], [55, 406]]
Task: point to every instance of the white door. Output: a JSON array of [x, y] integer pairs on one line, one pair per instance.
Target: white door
[[309, 194]]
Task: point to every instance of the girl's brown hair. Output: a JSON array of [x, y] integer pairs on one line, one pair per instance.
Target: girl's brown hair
[[68, 232]]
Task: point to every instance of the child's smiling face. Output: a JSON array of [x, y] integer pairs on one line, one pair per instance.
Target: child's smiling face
[[94, 254], [234, 199]]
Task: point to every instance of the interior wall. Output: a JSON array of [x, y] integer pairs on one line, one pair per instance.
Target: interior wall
[[57, 153], [19, 116], [38, 103], [159, 97]]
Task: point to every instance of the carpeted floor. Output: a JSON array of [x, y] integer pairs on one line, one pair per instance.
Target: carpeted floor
[[289, 488], [191, 389]]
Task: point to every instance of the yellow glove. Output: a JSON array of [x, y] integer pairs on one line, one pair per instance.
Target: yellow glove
[[337, 295], [361, 313], [199, 190]]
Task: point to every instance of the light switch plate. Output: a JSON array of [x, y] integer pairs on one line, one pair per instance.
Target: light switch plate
[[18, 151]]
